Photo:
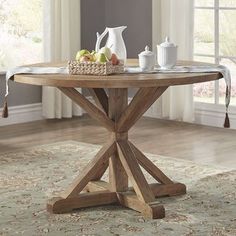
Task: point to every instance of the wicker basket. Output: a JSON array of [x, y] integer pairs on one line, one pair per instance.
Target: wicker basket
[[94, 68]]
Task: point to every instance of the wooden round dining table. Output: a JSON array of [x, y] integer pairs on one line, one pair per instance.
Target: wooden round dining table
[[123, 159]]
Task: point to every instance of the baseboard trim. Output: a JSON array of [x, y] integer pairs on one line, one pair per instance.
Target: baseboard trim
[[214, 117], [205, 114], [22, 114]]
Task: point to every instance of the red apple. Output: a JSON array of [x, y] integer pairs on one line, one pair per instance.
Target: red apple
[[114, 59]]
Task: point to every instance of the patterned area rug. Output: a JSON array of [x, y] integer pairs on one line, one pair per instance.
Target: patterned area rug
[[29, 178]]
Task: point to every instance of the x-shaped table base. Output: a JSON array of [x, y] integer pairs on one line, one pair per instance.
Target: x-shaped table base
[[119, 155]]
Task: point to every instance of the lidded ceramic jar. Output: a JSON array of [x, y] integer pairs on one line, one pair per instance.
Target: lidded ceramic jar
[[167, 54], [147, 60]]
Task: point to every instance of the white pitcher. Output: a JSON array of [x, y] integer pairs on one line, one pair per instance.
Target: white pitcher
[[115, 41]]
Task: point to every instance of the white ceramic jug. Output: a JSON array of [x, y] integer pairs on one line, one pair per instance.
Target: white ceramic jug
[[115, 41]]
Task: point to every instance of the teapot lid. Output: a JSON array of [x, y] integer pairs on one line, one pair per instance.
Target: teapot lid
[[147, 52], [167, 43]]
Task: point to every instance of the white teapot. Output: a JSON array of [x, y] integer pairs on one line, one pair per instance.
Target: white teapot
[[167, 54]]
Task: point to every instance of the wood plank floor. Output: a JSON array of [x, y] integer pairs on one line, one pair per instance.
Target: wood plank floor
[[206, 145]]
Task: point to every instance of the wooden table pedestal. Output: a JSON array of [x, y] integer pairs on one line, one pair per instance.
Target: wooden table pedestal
[[119, 155]]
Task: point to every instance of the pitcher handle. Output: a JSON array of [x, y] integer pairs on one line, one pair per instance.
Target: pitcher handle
[[99, 39]]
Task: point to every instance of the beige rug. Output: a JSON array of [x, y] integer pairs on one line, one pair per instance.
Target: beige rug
[[29, 178]]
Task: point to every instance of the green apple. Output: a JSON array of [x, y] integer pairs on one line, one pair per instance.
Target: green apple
[[101, 58], [94, 55], [106, 51], [81, 53]]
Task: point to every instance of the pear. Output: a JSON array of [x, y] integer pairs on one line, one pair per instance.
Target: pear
[[81, 53], [106, 51], [101, 58]]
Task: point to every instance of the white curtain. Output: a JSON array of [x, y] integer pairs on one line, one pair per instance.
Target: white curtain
[[174, 18], [61, 42]]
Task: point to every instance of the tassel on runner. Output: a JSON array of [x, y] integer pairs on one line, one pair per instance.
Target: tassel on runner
[[227, 122], [227, 102], [5, 109]]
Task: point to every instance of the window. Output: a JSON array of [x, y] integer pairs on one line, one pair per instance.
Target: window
[[215, 42], [20, 32]]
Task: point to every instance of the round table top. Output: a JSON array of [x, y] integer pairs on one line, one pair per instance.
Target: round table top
[[116, 81]]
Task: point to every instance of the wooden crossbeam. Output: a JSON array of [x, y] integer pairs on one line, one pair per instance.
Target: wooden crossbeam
[[91, 109], [101, 171], [134, 172], [163, 190], [140, 103], [61, 205], [153, 210], [90, 171], [100, 97], [153, 170], [99, 185]]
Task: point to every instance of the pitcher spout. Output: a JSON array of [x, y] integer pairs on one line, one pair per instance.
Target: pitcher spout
[[120, 28], [123, 28]]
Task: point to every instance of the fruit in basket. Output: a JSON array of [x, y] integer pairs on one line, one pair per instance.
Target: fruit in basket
[[114, 59], [104, 55], [101, 58], [107, 52], [94, 55], [81, 53], [86, 58]]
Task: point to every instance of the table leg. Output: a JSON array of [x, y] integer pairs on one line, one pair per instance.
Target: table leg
[[118, 102], [121, 156]]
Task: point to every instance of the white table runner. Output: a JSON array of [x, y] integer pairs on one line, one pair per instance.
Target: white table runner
[[192, 69]]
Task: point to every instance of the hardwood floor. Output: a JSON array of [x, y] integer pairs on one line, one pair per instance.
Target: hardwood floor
[[206, 145]]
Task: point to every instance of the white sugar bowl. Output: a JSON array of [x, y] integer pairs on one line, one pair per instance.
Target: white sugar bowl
[[147, 60], [167, 54]]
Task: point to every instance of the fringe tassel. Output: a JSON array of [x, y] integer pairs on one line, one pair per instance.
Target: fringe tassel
[[227, 122], [5, 109], [227, 102]]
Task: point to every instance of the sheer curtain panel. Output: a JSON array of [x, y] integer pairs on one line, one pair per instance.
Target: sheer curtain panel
[[61, 42], [174, 18]]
